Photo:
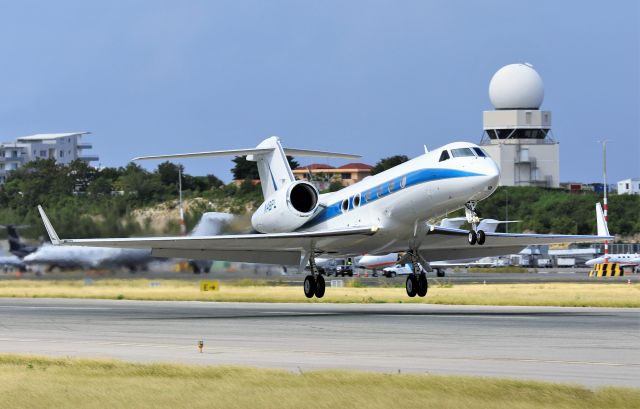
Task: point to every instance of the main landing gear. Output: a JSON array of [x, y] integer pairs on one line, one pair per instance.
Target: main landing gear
[[416, 283], [314, 282], [473, 217]]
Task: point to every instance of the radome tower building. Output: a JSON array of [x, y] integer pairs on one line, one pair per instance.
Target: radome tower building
[[517, 133]]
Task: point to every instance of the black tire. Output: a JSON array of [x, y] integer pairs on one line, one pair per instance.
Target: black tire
[[320, 287], [481, 237], [423, 285], [473, 237], [309, 286], [439, 273], [411, 285]]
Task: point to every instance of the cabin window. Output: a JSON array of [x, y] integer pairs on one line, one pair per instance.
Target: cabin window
[[403, 182], [444, 156], [368, 195], [380, 190], [345, 205], [356, 200], [391, 186], [480, 152], [461, 152]]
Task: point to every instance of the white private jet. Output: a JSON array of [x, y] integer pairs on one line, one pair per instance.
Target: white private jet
[[385, 213], [625, 260]]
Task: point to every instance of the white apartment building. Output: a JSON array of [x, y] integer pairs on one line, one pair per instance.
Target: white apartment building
[[64, 147]]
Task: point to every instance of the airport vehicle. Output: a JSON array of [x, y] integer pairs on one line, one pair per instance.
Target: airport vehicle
[[566, 262], [399, 270], [344, 270], [384, 213]]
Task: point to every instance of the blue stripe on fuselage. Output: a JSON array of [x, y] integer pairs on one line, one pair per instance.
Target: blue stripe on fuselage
[[382, 190]]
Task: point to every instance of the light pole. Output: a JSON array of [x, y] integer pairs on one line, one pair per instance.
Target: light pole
[[606, 188], [506, 210], [183, 226]]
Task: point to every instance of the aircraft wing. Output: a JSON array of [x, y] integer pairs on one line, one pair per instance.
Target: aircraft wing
[[442, 243], [277, 248]]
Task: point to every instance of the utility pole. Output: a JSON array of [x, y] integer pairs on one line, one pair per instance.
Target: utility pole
[[506, 210], [605, 205], [183, 226]]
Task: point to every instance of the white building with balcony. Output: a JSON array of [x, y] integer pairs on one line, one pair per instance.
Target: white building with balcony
[[63, 147]]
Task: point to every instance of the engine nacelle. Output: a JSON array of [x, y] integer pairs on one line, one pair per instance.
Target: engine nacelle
[[288, 208]]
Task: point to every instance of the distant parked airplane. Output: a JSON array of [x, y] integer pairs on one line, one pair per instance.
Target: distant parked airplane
[[104, 257]]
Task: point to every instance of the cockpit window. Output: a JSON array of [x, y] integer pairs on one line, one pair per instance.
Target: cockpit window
[[461, 152], [480, 152], [444, 156]]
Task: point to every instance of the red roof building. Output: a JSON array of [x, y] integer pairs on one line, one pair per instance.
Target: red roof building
[[322, 174]]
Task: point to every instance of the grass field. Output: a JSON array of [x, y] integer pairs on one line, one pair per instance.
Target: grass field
[[550, 294], [32, 382]]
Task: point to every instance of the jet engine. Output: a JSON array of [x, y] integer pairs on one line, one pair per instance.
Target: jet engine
[[288, 208]]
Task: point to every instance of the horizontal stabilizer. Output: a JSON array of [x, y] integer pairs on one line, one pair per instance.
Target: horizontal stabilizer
[[252, 151], [232, 152], [319, 154]]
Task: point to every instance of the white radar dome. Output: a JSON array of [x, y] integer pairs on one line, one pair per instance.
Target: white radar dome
[[516, 86]]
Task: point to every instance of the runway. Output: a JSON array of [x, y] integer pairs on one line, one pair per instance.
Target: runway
[[589, 346]]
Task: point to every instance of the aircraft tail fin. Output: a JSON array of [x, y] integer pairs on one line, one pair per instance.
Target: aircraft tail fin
[[15, 243], [271, 158], [603, 229], [273, 166]]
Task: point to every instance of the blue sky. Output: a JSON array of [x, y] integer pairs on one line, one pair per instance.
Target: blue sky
[[370, 77]]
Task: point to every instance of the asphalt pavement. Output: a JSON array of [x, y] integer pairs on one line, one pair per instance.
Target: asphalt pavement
[[589, 346]]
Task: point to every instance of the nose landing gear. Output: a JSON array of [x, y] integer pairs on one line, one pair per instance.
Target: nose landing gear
[[473, 217]]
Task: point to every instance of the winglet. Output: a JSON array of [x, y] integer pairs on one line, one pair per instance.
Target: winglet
[[55, 240], [603, 229]]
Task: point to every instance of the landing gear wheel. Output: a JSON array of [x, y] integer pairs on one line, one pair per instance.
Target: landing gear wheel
[[481, 237], [411, 285], [309, 286], [320, 287], [473, 238], [423, 285]]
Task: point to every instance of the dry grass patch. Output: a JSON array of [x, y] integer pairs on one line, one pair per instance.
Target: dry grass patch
[[550, 294], [32, 382]]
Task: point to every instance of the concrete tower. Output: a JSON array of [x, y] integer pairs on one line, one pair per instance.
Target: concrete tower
[[516, 133]]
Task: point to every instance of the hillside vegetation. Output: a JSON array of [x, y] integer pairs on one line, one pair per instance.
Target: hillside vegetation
[[85, 202]]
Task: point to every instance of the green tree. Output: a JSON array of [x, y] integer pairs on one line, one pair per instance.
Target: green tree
[[169, 173], [387, 163], [82, 174]]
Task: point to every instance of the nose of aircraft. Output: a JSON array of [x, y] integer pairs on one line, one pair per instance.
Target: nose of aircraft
[[489, 182]]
